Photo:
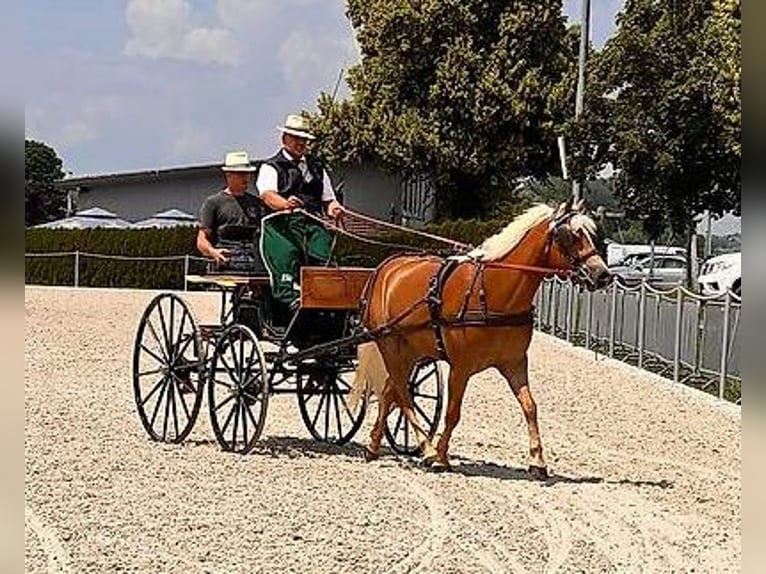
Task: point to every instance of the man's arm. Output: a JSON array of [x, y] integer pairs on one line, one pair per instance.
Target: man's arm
[[266, 184], [334, 208], [206, 248], [207, 220]]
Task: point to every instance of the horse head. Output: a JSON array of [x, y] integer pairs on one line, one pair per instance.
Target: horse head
[[573, 239]]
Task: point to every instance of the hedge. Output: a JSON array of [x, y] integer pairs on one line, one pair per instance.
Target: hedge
[[180, 241]]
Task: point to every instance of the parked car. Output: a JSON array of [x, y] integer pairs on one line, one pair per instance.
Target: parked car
[[668, 270], [721, 273]]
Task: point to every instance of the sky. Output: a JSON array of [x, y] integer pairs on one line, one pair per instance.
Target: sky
[[119, 86]]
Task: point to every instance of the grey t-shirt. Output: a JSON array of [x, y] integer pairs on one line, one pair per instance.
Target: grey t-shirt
[[222, 210]]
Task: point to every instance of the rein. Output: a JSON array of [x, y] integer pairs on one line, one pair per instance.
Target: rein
[[342, 230]]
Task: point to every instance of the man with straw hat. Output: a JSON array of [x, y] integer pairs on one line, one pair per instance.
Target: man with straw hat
[[232, 216], [294, 180]]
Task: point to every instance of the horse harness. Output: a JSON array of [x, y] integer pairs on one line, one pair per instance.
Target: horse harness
[[466, 317]]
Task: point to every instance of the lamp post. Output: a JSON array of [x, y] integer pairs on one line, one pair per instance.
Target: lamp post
[[580, 96]]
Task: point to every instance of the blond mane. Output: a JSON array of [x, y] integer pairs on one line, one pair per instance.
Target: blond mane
[[502, 243]]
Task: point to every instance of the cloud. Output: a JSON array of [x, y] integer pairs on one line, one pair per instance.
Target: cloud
[[164, 29], [192, 141], [87, 126], [311, 62]]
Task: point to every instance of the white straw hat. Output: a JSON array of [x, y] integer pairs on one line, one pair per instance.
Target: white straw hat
[[298, 126], [237, 161]]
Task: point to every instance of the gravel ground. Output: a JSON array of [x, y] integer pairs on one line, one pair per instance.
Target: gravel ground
[[646, 476]]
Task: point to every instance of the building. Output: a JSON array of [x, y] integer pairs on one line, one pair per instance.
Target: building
[[139, 195]]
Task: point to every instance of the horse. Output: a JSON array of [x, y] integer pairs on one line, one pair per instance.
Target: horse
[[473, 311]]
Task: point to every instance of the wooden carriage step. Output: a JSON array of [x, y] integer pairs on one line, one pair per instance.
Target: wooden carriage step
[[333, 287]]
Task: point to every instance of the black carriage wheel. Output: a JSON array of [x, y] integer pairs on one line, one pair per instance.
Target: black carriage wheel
[[323, 390], [168, 369], [238, 389], [426, 387]]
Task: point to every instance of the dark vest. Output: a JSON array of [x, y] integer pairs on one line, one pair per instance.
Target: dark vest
[[290, 181]]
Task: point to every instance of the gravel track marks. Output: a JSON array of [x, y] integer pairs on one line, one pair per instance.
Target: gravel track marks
[[645, 476]]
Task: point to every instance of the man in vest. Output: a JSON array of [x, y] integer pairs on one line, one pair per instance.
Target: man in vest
[[289, 180]]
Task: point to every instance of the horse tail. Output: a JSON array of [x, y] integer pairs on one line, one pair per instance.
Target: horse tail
[[371, 374]]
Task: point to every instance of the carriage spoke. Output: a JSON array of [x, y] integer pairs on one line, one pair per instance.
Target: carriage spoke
[[319, 410], [345, 405], [422, 413], [154, 390], [224, 402], [162, 360], [241, 362], [398, 422], [153, 331], [236, 425], [249, 413], [425, 396], [165, 335], [182, 349], [170, 327], [183, 324], [327, 413], [169, 388], [151, 372], [244, 423], [227, 421], [426, 374], [179, 382], [229, 370], [337, 414], [159, 401], [174, 395]]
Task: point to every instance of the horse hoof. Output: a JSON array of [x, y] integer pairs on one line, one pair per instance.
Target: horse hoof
[[538, 472], [439, 466], [369, 456]]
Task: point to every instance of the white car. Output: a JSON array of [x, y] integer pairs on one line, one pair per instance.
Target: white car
[[668, 270], [721, 273]]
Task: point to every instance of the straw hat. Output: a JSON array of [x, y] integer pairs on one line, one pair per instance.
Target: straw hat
[[298, 126], [237, 161]]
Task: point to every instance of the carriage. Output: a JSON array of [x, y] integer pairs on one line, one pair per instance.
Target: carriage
[[472, 310], [254, 352]]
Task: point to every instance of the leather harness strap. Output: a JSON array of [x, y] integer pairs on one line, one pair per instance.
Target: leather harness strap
[[466, 317]]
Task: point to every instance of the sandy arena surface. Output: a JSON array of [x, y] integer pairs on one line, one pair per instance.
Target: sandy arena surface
[[646, 477]]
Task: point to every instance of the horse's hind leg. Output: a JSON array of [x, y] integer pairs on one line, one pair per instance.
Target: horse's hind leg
[[376, 435], [518, 380], [404, 400]]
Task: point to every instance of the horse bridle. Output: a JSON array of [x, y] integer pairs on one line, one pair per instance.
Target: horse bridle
[[561, 233]]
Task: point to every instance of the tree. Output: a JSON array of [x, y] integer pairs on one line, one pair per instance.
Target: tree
[[43, 201], [466, 91], [664, 108]]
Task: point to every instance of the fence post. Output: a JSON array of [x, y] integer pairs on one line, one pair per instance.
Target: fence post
[[612, 318], [570, 301], [77, 268], [724, 345], [186, 272], [641, 323], [588, 316], [677, 340], [554, 305]]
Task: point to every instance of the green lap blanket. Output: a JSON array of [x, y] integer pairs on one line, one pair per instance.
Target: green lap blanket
[[289, 241]]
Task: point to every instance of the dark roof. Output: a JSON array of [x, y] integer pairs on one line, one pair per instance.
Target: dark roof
[[139, 176]]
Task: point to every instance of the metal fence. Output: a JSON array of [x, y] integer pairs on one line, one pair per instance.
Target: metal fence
[[685, 336], [78, 256]]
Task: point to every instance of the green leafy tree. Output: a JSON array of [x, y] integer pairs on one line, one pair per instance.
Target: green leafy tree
[[42, 169], [470, 92], [663, 107]]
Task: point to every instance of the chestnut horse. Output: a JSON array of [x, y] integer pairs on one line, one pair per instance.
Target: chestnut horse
[[477, 315]]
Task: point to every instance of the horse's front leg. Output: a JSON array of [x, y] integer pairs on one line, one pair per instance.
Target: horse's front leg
[[456, 389], [518, 380]]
